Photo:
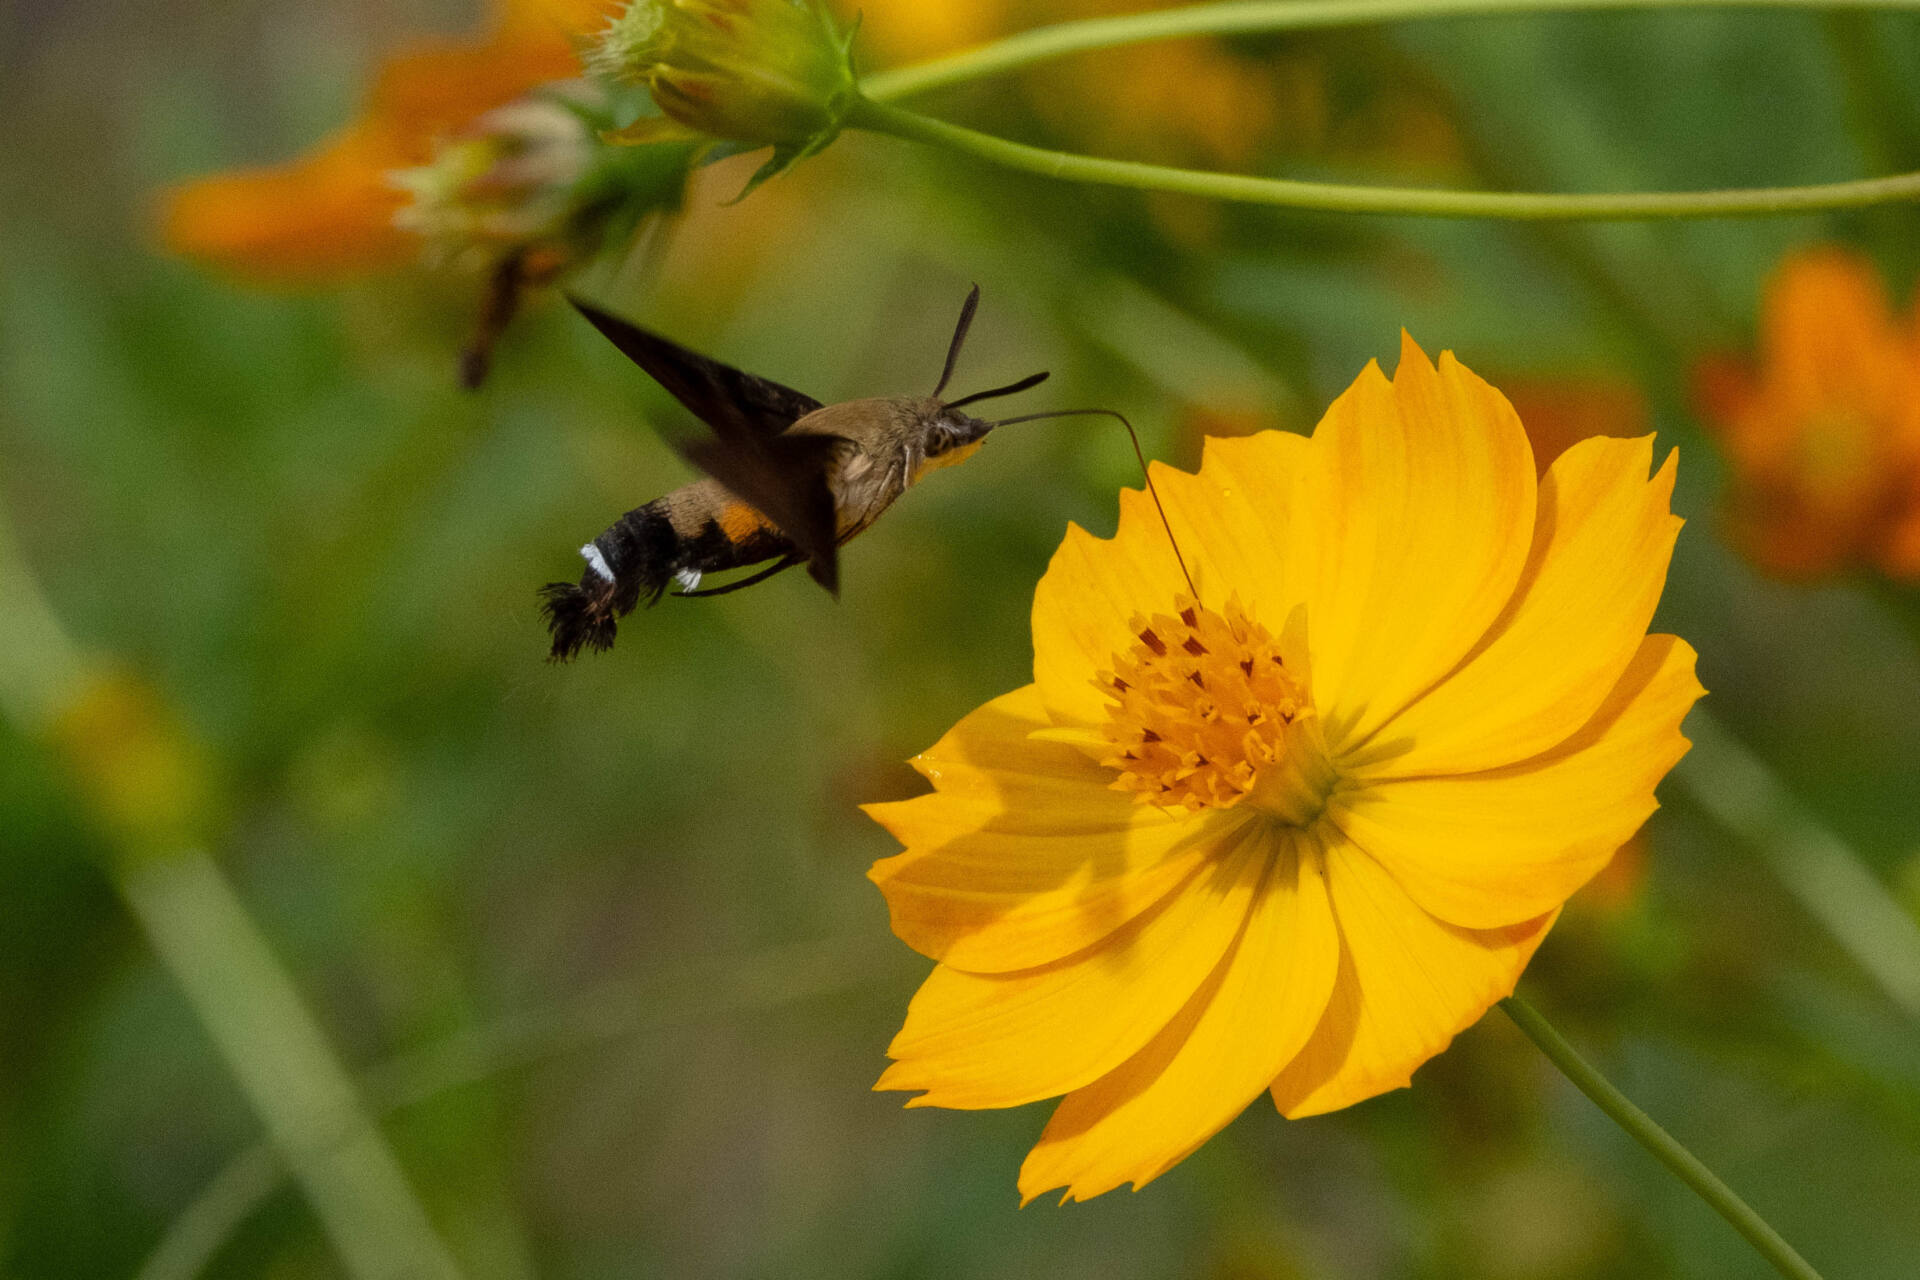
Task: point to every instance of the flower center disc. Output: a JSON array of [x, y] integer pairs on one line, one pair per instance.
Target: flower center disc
[[1204, 704]]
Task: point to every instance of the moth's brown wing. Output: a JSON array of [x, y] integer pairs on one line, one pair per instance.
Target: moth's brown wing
[[785, 479], [734, 404]]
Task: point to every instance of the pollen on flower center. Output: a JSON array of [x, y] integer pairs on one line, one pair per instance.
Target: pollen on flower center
[[1203, 703]]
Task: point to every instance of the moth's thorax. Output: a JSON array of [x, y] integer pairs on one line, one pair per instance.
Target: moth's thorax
[[873, 423]]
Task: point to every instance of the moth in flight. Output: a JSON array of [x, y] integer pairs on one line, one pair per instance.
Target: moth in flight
[[788, 480]]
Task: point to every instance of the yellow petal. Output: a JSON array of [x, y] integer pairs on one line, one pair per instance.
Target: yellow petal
[[1425, 495], [1002, 766], [1001, 1040], [1241, 519], [1252, 1015], [1599, 560], [1025, 854], [1408, 984], [1496, 848], [1092, 589]]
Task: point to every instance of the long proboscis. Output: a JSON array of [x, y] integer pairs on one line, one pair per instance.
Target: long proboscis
[[1145, 475]]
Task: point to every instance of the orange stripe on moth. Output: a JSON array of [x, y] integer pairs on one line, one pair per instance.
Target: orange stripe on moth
[[740, 521]]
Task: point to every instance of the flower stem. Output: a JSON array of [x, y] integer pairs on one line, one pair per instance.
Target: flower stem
[[1641, 1128], [1256, 17], [1334, 197]]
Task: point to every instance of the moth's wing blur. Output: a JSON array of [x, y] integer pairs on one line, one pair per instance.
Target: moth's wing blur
[[734, 404], [785, 479]]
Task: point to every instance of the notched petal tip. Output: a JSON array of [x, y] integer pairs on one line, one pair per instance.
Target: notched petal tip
[[1411, 353]]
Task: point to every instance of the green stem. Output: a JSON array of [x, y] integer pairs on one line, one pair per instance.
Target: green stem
[[1641, 1128], [1260, 17], [1334, 197]]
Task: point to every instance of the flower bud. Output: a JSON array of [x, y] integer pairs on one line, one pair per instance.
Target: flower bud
[[509, 180], [761, 72]]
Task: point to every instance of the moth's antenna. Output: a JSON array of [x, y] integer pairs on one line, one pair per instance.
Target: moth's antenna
[[959, 338], [1027, 383], [1139, 453]]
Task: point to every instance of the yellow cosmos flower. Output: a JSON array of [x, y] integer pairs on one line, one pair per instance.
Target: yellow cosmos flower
[[1822, 428], [331, 213], [1294, 834]]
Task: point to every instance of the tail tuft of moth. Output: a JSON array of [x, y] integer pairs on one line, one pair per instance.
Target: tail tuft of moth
[[579, 619]]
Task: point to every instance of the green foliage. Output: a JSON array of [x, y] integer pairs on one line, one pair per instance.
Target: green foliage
[[639, 879]]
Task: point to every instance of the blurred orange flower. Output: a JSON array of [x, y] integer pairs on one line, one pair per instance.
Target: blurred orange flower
[[1822, 430], [330, 213], [1617, 886], [1293, 835], [1559, 412]]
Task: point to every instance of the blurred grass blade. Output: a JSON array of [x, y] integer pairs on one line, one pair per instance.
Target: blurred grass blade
[[1828, 878], [40, 669], [250, 1008], [198, 1234], [766, 980], [243, 997]]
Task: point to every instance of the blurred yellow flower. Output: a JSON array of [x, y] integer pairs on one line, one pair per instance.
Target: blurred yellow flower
[[151, 781], [902, 31], [1296, 834], [330, 213], [1822, 431], [1186, 101], [1197, 101]]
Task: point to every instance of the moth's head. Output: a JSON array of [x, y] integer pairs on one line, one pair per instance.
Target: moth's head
[[950, 436]]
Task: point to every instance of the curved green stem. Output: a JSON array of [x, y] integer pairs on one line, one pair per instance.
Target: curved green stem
[[1334, 197], [1641, 1128], [1257, 17]]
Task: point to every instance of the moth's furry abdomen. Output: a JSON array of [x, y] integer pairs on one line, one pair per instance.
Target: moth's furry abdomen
[[637, 557], [579, 618]]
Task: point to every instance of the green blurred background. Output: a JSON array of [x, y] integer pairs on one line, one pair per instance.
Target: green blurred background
[[598, 939]]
